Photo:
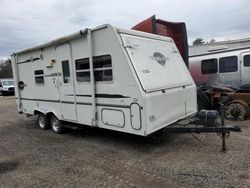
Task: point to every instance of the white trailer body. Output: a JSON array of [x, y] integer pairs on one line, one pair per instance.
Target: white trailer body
[[106, 77]]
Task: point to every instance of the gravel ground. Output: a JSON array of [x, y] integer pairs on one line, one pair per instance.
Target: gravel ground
[[30, 157]]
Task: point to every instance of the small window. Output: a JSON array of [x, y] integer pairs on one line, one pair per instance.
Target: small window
[[228, 64], [82, 70], [66, 72], [102, 69], [246, 60], [39, 77], [209, 66]]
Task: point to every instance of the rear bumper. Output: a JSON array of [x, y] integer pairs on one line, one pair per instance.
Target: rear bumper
[[165, 108], [151, 131]]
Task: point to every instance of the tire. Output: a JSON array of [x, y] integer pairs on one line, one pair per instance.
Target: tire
[[200, 103], [203, 101], [237, 111], [42, 121], [56, 125], [1, 92]]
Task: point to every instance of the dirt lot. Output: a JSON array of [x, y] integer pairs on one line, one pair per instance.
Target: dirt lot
[[30, 157]]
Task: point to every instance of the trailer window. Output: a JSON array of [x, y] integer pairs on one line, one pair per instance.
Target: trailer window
[[66, 72], [39, 77], [82, 70], [209, 66], [102, 69], [228, 64], [246, 60]]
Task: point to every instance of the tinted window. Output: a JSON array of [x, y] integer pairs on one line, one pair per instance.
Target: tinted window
[[38, 72], [102, 69], [102, 61], [66, 72], [82, 64], [246, 60], [82, 70], [209, 66], [39, 77], [8, 83], [228, 64]]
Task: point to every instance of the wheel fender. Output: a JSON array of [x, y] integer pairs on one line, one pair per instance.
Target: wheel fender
[[45, 111]]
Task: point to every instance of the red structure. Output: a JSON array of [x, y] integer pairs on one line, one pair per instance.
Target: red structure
[[175, 30]]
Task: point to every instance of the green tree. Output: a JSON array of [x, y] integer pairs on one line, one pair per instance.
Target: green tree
[[198, 41]]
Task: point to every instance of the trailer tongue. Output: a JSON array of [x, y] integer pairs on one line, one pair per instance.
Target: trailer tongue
[[207, 121]]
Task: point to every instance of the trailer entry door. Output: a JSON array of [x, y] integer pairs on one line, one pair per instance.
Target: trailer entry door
[[66, 82]]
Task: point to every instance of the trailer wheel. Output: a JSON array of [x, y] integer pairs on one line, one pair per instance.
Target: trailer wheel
[[56, 125], [42, 121]]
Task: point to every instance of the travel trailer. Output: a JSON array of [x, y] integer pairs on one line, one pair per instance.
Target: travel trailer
[[105, 77], [221, 63], [222, 70]]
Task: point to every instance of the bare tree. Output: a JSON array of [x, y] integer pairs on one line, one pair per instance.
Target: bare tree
[[212, 41]]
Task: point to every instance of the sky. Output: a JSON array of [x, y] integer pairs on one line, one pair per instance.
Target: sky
[[26, 23]]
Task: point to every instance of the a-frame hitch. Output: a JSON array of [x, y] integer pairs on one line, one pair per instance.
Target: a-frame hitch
[[207, 121]]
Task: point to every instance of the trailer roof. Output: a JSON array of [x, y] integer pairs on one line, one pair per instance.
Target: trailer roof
[[219, 47], [60, 40], [144, 34], [84, 32]]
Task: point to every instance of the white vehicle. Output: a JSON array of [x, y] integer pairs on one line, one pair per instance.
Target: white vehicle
[[221, 63], [6, 86], [106, 77]]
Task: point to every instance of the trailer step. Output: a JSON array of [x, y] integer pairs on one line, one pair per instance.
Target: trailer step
[[71, 126]]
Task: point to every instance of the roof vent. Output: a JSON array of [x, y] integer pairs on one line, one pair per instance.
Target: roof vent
[[217, 48]]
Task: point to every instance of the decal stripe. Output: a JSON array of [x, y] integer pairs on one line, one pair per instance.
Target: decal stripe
[[41, 100], [80, 103], [29, 60], [101, 95], [53, 74]]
